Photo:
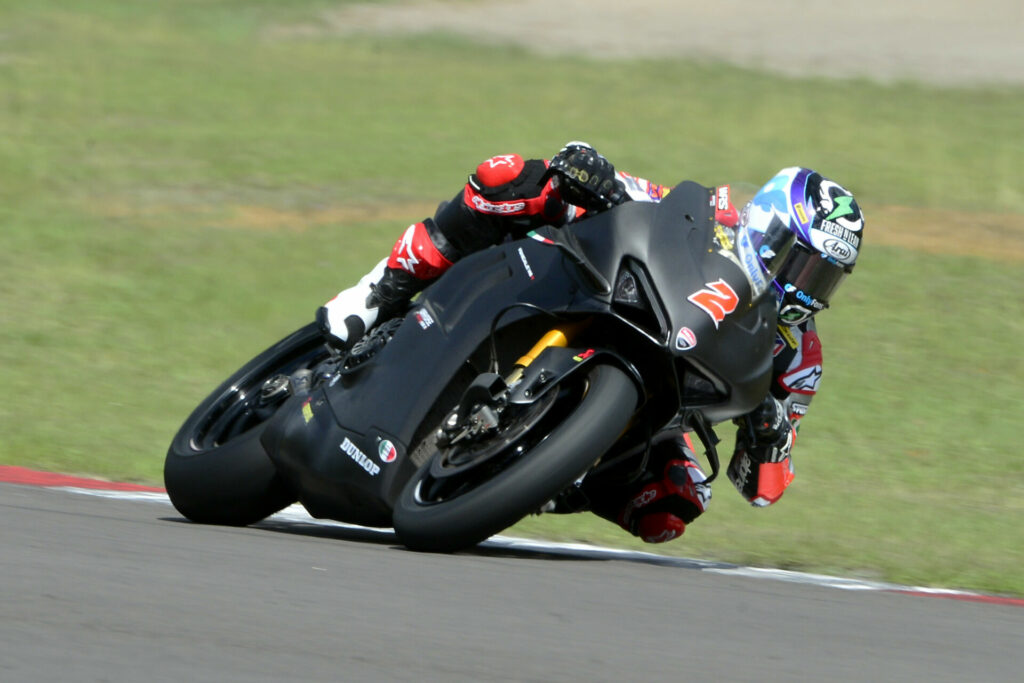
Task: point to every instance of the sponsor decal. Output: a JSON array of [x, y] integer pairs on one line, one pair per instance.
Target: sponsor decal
[[484, 206], [645, 498], [804, 297], [837, 249], [803, 381], [359, 458], [800, 212], [387, 451], [502, 160], [526, 264], [790, 338], [804, 373], [836, 230], [540, 238], [685, 339], [844, 207], [751, 265], [718, 300], [583, 356], [725, 212], [839, 205], [657, 192], [796, 413], [424, 318], [723, 198], [407, 261], [739, 471], [307, 410], [723, 236]]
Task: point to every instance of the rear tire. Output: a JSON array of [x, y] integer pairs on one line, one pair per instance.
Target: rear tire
[[574, 444], [216, 470]]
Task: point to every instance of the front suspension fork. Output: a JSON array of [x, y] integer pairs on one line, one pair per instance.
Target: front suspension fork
[[559, 336], [485, 399]]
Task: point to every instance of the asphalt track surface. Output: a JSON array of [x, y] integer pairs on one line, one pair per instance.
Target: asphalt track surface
[[98, 589]]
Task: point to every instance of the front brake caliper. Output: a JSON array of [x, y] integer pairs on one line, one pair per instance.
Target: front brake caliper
[[479, 410]]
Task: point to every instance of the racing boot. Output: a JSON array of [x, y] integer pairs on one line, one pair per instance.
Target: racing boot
[[672, 493], [379, 295]]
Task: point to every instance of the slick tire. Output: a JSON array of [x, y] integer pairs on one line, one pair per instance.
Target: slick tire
[[231, 480], [235, 484]]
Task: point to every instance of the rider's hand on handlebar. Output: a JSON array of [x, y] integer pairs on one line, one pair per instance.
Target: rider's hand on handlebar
[[584, 178], [766, 431]]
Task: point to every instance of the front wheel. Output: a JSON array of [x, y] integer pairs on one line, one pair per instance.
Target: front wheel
[[444, 515]]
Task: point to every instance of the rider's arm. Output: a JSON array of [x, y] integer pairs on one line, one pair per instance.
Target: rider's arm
[[761, 467], [505, 195]]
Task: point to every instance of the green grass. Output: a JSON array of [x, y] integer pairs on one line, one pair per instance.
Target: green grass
[[138, 141]]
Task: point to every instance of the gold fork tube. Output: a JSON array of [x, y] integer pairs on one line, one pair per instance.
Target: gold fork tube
[[559, 336]]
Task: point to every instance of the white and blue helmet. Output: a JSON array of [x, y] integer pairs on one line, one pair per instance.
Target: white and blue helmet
[[828, 225]]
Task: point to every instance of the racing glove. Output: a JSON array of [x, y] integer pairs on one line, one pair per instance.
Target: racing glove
[[584, 178], [761, 467]]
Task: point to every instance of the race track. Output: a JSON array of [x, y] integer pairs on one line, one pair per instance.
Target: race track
[[98, 589]]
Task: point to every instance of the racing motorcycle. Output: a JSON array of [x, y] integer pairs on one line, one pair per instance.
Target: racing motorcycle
[[527, 372]]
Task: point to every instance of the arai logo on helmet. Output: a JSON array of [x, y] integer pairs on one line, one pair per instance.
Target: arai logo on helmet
[[837, 249], [832, 239]]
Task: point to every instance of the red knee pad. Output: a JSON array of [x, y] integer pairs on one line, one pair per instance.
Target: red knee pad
[[660, 527], [415, 253]]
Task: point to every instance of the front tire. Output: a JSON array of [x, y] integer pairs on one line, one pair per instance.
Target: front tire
[[216, 470], [467, 517]]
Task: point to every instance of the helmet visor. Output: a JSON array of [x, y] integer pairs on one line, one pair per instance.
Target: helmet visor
[[811, 277], [773, 246]]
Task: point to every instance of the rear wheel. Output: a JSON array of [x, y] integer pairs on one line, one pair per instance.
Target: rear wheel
[[216, 470], [458, 499]]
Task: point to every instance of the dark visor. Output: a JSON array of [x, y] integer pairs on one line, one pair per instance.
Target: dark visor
[[812, 273], [773, 245]]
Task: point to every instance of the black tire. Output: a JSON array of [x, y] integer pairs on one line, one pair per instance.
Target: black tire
[[216, 470], [562, 456]]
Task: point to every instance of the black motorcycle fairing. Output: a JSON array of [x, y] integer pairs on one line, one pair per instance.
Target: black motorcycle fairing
[[698, 289], [334, 460], [449, 324], [347, 451]]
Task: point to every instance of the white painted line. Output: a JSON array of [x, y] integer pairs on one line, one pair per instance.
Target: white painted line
[[298, 514]]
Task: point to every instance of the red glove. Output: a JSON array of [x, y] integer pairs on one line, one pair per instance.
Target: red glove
[[761, 467]]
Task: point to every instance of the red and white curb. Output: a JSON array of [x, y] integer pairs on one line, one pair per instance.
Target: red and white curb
[[296, 514]]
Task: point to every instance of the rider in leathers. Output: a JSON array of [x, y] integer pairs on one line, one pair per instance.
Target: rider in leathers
[[508, 196]]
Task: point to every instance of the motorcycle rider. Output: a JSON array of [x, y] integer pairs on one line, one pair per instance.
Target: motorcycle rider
[[507, 196]]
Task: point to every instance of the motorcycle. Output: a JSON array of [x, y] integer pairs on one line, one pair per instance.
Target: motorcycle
[[524, 374]]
